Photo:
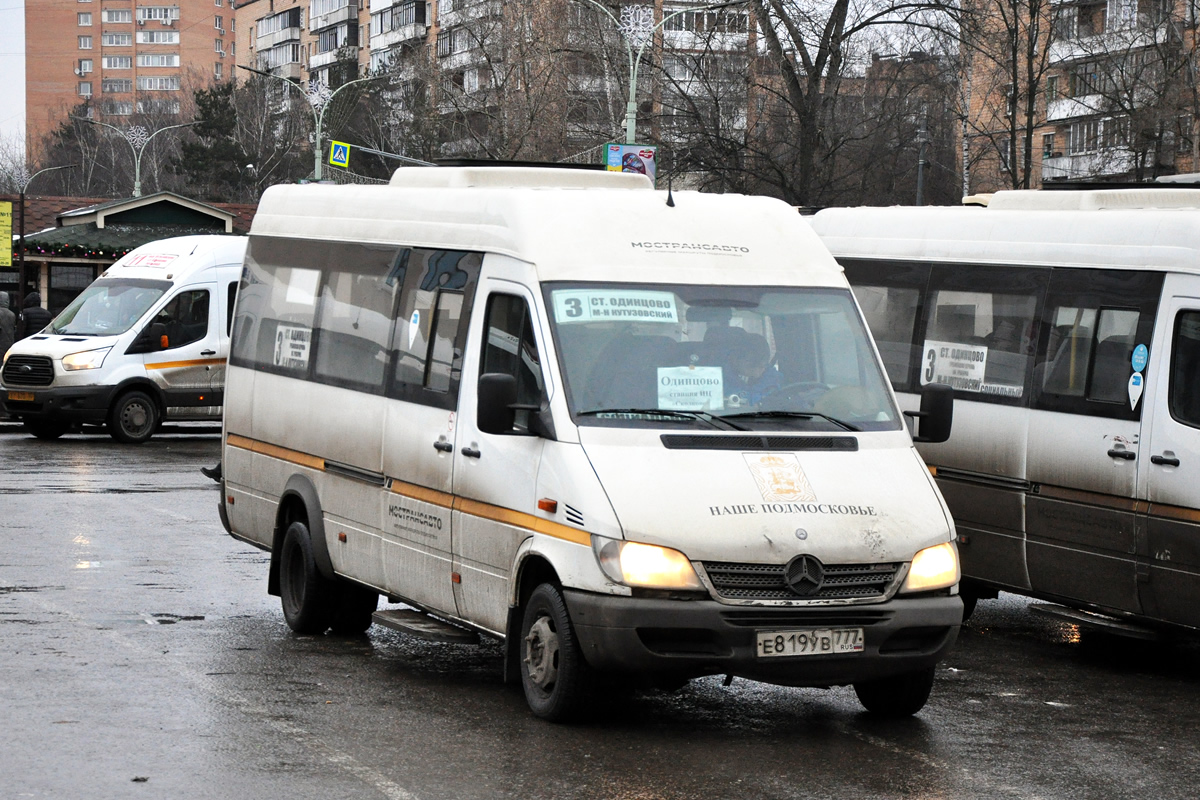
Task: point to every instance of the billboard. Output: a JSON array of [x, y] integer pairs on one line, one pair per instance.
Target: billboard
[[631, 158], [6, 234]]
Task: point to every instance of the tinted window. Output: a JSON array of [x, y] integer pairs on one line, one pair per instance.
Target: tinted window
[[184, 318], [511, 347], [1185, 369], [1092, 322], [354, 321]]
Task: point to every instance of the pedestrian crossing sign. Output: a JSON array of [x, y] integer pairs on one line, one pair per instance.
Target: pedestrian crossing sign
[[339, 154]]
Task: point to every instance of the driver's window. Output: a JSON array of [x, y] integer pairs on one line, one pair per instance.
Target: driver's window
[[511, 348], [184, 318]]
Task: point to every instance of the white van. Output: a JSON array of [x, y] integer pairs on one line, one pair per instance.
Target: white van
[[1068, 323], [146, 341], [627, 433]]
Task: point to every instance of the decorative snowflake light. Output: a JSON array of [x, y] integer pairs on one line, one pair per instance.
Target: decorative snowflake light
[[318, 94], [637, 23], [137, 136]]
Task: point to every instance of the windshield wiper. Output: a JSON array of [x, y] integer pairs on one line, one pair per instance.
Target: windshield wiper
[[662, 412], [793, 414]]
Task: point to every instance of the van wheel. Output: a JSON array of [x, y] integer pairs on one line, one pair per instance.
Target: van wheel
[[133, 418], [45, 430], [556, 678], [896, 696], [353, 606], [305, 594]]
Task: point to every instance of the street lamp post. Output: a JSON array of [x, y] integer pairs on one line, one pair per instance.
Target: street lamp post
[[24, 178], [319, 97], [137, 137], [637, 29]]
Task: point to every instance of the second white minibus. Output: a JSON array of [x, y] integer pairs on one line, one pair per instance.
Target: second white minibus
[[631, 434], [1068, 323]]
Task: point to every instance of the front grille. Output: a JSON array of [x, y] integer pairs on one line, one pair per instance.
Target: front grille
[[766, 581], [28, 371]]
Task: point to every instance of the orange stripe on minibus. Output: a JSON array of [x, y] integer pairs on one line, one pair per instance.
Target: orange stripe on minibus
[[196, 362], [274, 451]]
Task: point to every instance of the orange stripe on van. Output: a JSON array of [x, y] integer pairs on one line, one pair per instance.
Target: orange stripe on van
[[195, 362], [474, 508], [1091, 498], [274, 451], [1180, 513]]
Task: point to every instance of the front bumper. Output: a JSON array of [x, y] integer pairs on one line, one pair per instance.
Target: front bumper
[[71, 404], [703, 637]]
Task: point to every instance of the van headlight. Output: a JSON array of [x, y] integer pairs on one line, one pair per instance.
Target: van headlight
[[933, 568], [647, 565], [89, 359]]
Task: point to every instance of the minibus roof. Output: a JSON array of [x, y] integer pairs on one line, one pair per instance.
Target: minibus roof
[[1118, 228], [178, 258], [570, 224]]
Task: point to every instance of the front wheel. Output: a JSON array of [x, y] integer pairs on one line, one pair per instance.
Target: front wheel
[[133, 418], [898, 695], [556, 678], [306, 595]]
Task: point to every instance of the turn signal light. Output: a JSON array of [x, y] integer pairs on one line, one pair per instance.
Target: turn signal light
[[547, 505]]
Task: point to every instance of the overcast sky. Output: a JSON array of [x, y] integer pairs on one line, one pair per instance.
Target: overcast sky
[[12, 68]]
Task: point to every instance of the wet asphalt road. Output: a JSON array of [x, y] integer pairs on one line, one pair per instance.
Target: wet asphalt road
[[140, 656]]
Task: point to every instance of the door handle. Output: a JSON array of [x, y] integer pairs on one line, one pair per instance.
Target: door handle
[[1128, 455], [208, 352], [471, 452], [443, 447], [1165, 460]]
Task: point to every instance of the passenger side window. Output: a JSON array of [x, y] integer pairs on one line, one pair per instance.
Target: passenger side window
[[891, 314], [1185, 369], [981, 331], [354, 323], [1092, 322], [511, 348], [184, 318], [233, 287], [430, 323]]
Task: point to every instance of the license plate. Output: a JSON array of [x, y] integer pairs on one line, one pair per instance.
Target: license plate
[[810, 642], [26, 397]]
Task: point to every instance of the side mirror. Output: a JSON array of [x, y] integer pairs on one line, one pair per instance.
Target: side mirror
[[158, 333], [497, 395], [936, 415]]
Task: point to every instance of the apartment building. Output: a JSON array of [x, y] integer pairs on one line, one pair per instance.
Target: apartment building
[[122, 58], [1103, 90], [303, 40]]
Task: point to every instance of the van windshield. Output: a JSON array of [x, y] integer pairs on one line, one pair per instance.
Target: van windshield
[[749, 358], [108, 307]]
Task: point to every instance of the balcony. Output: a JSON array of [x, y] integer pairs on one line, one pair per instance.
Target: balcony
[[320, 60], [347, 13], [278, 37], [1101, 163], [1065, 108], [404, 33]]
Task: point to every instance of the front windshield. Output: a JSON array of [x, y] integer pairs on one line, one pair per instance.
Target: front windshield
[[108, 307], [740, 358]]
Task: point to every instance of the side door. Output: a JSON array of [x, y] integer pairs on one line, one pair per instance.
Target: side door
[[1171, 460], [1085, 450], [495, 476], [191, 325], [428, 341]]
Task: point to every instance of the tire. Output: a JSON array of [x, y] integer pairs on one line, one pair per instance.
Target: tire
[[352, 608], [46, 431], [306, 595], [134, 418], [898, 695], [556, 678]]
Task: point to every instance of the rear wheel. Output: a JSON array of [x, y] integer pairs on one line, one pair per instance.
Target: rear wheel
[[305, 594], [133, 418], [556, 678], [353, 606], [45, 430], [897, 695]]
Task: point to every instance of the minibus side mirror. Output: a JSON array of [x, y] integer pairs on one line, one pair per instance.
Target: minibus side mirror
[[936, 415], [496, 396], [152, 339]]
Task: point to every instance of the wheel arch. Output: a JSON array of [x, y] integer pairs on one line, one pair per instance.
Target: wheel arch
[[141, 384], [299, 501], [532, 570]]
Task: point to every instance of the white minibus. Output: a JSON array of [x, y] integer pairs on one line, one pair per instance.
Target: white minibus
[[635, 435], [145, 342], [1068, 323]]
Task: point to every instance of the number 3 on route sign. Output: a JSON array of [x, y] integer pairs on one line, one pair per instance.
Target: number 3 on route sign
[[339, 154]]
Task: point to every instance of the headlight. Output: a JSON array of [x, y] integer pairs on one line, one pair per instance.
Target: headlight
[[933, 568], [90, 359], [636, 564]]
